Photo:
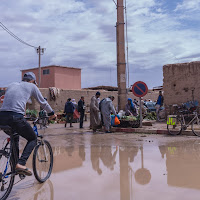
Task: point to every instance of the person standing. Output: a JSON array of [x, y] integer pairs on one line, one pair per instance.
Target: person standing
[[106, 109], [75, 104], [94, 112], [81, 110], [159, 103], [69, 110]]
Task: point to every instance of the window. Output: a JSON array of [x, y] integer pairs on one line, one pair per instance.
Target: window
[[46, 71]]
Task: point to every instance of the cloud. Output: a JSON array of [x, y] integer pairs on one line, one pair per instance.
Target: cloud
[[188, 5], [82, 34]]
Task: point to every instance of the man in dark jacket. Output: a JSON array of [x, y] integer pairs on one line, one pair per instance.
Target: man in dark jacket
[[69, 110], [81, 110], [159, 103]]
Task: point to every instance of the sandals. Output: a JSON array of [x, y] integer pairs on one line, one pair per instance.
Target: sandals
[[26, 171]]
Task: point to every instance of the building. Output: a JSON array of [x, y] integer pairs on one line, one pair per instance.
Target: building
[[181, 83], [68, 78]]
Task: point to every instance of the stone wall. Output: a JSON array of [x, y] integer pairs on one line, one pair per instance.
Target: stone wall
[[181, 83], [76, 94]]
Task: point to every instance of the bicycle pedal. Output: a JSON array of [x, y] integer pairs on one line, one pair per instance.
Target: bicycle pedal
[[2, 187], [184, 128], [22, 176]]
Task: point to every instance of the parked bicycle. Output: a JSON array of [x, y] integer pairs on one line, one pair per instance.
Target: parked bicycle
[[42, 160], [177, 123]]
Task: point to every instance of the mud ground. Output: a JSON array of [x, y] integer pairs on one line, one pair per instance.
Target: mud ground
[[115, 166]]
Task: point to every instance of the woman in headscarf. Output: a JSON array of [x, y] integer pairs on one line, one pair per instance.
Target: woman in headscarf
[[130, 108]]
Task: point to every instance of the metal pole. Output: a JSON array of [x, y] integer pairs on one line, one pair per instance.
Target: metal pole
[[39, 52], [121, 63], [140, 113]]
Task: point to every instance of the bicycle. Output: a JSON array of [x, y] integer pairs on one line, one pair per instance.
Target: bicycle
[[177, 123], [42, 160]]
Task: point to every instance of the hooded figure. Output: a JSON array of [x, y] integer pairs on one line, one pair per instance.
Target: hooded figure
[[130, 108], [106, 109]]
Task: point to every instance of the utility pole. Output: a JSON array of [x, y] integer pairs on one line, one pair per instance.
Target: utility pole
[[121, 63], [40, 51]]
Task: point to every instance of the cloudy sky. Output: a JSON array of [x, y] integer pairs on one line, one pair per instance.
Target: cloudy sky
[[81, 33]]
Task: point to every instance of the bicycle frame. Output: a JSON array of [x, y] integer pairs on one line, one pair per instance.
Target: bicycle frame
[[182, 117], [9, 156], [40, 141], [10, 153]]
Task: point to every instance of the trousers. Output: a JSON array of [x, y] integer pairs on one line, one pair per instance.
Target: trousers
[[81, 119], [19, 124]]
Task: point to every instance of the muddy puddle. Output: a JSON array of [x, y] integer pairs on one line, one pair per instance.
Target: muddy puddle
[[118, 168]]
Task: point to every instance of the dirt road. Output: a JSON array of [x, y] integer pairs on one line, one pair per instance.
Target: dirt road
[[116, 166]]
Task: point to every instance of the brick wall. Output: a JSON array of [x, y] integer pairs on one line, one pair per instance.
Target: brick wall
[[76, 94], [181, 82]]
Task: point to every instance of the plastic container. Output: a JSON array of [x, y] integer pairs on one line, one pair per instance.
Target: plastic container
[[171, 119], [113, 120]]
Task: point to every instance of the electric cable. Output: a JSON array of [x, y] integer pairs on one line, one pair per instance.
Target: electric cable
[[14, 36], [114, 2], [127, 53]]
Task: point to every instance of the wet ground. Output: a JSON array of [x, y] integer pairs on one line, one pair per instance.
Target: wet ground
[[116, 166]]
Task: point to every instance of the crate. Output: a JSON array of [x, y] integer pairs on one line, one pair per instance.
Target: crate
[[132, 124]]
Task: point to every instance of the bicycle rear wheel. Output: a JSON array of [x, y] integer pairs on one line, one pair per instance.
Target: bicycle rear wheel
[[42, 161], [196, 127], [175, 129], [7, 175]]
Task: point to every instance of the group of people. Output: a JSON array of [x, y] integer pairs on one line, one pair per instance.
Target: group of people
[[69, 109], [99, 112], [132, 107]]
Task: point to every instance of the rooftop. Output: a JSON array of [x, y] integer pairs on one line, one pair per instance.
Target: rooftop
[[52, 66]]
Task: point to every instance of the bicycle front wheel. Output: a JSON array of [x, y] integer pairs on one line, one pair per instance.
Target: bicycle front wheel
[[42, 161], [175, 129], [196, 127], [7, 174]]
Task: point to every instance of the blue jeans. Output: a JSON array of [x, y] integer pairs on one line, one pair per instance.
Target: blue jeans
[[19, 124]]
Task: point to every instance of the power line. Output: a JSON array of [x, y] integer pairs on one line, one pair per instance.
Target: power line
[[127, 55], [14, 36], [114, 2]]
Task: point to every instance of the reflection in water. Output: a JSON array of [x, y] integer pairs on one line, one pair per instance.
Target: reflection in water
[[27, 191], [124, 175], [82, 149], [95, 157], [45, 191], [107, 157], [182, 164], [70, 147], [122, 169], [65, 161], [143, 175]]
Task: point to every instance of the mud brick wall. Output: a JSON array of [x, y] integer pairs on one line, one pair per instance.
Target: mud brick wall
[[59, 103], [179, 82]]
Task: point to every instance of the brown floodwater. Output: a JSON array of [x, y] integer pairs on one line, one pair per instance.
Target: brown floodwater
[[118, 167]]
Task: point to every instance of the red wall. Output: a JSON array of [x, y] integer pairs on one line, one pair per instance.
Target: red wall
[[60, 77], [67, 78]]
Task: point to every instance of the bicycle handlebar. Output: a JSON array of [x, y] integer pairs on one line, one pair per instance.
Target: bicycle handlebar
[[36, 119]]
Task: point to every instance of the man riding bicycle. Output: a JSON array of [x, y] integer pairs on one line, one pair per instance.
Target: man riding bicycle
[[12, 114]]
